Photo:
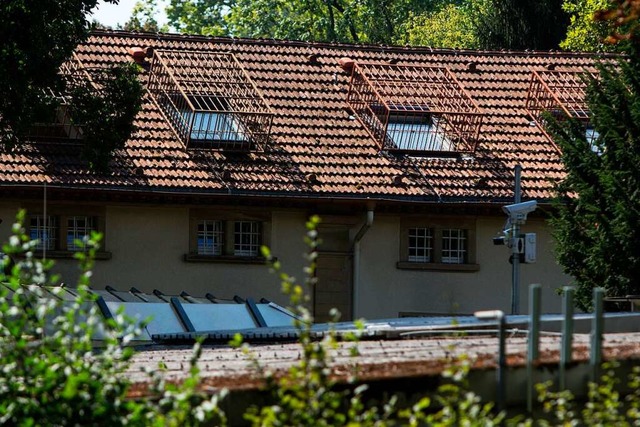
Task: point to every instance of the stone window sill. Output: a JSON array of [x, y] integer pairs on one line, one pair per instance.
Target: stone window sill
[[224, 259], [100, 256], [463, 268]]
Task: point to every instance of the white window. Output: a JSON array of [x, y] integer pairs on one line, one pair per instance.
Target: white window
[[430, 242], [44, 230], [220, 235], [57, 233], [420, 245], [215, 126], [210, 237], [247, 238], [78, 228], [417, 132], [454, 246]]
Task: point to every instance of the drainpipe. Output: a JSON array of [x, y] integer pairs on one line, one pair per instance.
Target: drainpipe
[[356, 262]]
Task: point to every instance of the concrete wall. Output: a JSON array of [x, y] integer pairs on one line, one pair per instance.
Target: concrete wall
[[385, 290], [148, 244]]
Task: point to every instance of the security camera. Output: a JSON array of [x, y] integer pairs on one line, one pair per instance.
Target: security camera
[[518, 211]]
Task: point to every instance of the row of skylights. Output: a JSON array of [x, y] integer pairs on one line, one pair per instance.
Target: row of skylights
[[211, 102]]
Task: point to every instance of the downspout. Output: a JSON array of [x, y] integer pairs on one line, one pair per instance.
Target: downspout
[[355, 248]]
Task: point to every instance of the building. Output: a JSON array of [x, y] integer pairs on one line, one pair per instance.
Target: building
[[407, 154]]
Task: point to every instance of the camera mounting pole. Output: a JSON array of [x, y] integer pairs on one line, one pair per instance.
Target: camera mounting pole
[[515, 257]]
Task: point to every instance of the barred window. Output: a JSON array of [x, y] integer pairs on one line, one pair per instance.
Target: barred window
[[454, 246], [210, 237], [247, 238], [78, 228], [44, 230], [420, 244]]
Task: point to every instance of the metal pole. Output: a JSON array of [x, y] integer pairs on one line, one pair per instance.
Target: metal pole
[[518, 192], [534, 341], [596, 333], [515, 256], [567, 335]]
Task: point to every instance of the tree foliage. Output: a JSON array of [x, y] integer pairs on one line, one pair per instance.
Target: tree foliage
[[451, 26], [365, 21], [51, 372], [106, 113], [143, 18], [37, 37], [518, 24], [596, 227], [584, 32]]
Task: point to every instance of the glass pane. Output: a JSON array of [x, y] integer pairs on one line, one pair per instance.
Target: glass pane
[[408, 135], [454, 246], [210, 237], [420, 245], [44, 230], [247, 238], [78, 228]]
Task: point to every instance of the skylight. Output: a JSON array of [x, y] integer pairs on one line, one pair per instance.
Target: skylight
[[563, 94], [417, 110], [210, 100]]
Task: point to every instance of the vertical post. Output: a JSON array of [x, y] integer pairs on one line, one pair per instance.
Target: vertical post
[[518, 192], [515, 256], [498, 315], [45, 233], [534, 340], [502, 361], [597, 329], [567, 334]]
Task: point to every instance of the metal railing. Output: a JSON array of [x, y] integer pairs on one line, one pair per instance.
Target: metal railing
[[209, 100], [419, 110]]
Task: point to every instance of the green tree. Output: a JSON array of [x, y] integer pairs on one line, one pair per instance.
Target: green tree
[[450, 26], [598, 210], [37, 38], [51, 372], [584, 32], [367, 21], [143, 18], [521, 24]]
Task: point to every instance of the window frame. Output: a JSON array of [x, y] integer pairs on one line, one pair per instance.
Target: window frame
[[439, 227], [417, 131], [62, 214], [228, 220]]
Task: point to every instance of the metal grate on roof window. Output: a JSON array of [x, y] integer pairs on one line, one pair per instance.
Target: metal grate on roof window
[[210, 100], [418, 110], [563, 95], [57, 126]]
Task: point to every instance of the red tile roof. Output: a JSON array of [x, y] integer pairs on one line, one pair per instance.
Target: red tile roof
[[317, 147]]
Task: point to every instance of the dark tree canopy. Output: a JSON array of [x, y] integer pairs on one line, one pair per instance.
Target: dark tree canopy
[[37, 38], [520, 24], [597, 226]]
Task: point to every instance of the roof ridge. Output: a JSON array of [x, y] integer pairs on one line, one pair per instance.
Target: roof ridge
[[350, 46]]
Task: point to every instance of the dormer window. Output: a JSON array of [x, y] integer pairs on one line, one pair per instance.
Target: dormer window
[[209, 100], [421, 111], [417, 131], [563, 95], [211, 124]]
